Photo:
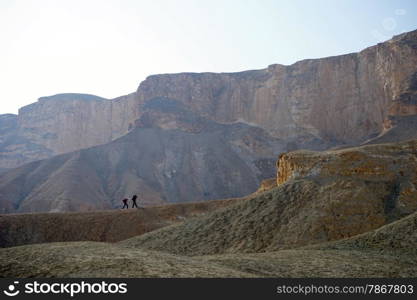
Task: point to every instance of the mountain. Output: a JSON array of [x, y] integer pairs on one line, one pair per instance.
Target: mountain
[[201, 136], [171, 155], [343, 100]]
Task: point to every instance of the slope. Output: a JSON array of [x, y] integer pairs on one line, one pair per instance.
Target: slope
[[388, 251], [100, 226], [322, 196], [336, 259]]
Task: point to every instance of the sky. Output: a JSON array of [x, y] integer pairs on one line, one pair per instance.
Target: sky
[[107, 47]]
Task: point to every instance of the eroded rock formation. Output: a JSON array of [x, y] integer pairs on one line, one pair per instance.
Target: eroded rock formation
[[385, 174]]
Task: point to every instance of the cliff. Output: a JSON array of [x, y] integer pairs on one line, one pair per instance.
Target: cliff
[[64, 123], [385, 172], [341, 100]]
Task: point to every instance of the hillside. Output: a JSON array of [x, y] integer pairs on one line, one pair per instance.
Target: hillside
[[341, 213], [388, 251], [399, 236], [90, 259], [170, 156], [322, 196], [99, 226], [399, 129], [359, 256]]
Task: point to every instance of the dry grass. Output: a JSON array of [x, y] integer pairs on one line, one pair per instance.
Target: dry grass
[[100, 226], [385, 252], [92, 259]]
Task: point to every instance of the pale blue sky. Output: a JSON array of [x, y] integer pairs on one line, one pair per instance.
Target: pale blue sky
[[107, 47]]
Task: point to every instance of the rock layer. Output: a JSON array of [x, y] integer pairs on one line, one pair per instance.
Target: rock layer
[[357, 172]]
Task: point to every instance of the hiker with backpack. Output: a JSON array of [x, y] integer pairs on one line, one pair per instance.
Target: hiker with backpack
[[125, 205], [134, 204]]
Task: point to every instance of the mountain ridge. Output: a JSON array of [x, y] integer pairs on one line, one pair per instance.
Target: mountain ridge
[[302, 100]]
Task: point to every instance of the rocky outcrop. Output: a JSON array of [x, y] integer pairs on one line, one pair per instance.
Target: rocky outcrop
[[385, 172], [267, 184], [313, 103]]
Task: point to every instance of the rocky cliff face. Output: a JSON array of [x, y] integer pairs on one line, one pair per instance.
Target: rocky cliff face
[[386, 173], [313, 103], [341, 99], [69, 122], [64, 123]]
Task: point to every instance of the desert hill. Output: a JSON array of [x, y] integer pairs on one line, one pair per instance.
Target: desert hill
[[337, 213], [367, 255], [322, 196], [93, 259], [388, 251], [400, 236], [99, 226]]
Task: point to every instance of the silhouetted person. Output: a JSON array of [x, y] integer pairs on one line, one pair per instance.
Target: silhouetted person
[[134, 204], [125, 205]]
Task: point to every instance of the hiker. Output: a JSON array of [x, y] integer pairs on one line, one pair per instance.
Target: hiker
[[125, 203], [134, 201]]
